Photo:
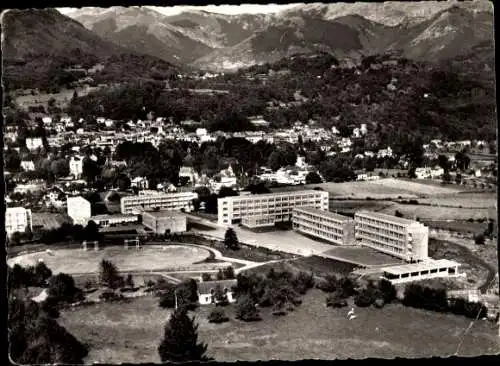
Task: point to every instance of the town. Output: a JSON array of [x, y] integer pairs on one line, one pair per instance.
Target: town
[[182, 214]]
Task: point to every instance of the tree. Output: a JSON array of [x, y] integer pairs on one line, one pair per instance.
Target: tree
[[229, 273], [217, 316], [42, 273], [398, 214], [446, 177], [246, 310], [62, 288], [479, 239], [443, 162], [108, 275], [206, 277], [123, 182], [180, 340], [91, 231], [231, 240], [313, 178], [129, 281]]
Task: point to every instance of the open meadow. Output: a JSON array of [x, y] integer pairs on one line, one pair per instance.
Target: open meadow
[[62, 98], [131, 332], [437, 213]]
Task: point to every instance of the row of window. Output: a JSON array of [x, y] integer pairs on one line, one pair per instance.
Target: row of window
[[380, 223], [321, 234], [375, 229], [320, 226], [317, 218], [275, 199], [387, 247], [379, 238]]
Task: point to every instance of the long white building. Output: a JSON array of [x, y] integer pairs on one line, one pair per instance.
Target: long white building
[[168, 201], [268, 208], [17, 219], [396, 236], [326, 225], [79, 209]]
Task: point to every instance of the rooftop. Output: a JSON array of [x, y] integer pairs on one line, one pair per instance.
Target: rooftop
[[274, 194], [104, 217], [333, 215], [385, 217], [414, 267], [205, 287], [163, 213]]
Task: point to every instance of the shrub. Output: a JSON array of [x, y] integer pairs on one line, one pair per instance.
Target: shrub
[[335, 301], [217, 316], [479, 239], [363, 298], [278, 310], [379, 303], [229, 273], [246, 310], [110, 295], [206, 277]]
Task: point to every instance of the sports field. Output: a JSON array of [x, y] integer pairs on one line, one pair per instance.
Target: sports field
[[130, 332], [149, 258]]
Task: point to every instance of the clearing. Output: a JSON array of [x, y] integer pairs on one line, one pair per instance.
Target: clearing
[[131, 331]]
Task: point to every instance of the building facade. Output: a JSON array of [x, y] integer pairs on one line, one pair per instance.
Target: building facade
[[162, 222], [17, 219], [329, 226], [79, 209], [396, 236], [168, 201], [276, 206]]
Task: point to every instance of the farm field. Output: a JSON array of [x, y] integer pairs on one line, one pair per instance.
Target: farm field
[[131, 332], [435, 213], [61, 98], [49, 220], [149, 258], [458, 226], [351, 206], [463, 200]]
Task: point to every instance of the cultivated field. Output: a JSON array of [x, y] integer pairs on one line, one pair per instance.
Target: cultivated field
[[437, 213], [149, 258], [61, 98], [49, 220], [131, 332], [463, 200]]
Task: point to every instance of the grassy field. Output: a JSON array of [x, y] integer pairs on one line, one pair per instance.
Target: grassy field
[[73, 261], [62, 98], [477, 269], [362, 255], [464, 200], [458, 226], [49, 220], [434, 213], [131, 332], [351, 206]]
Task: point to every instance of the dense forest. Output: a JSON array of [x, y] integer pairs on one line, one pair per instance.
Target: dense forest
[[397, 96]]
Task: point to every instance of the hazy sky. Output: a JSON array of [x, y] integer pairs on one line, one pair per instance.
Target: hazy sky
[[222, 9]]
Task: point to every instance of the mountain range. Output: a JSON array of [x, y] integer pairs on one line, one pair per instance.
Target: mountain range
[[428, 31]]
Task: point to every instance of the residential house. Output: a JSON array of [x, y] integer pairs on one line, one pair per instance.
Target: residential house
[[140, 183], [47, 120], [382, 153], [206, 291], [76, 166], [188, 173], [33, 143], [28, 165]]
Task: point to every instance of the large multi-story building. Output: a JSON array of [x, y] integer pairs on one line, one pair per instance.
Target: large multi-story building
[[168, 201], [79, 209], [329, 226], [17, 219], [396, 236], [271, 207]]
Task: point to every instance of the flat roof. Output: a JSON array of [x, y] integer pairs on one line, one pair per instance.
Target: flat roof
[[164, 213], [159, 195], [274, 194], [118, 216], [423, 266], [386, 217], [333, 215]]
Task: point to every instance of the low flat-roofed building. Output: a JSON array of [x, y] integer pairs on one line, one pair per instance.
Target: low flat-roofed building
[[111, 220], [253, 222], [164, 221], [396, 236], [430, 268], [326, 225], [168, 201]]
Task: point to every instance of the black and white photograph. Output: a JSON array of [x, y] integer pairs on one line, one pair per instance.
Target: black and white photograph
[[250, 182]]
